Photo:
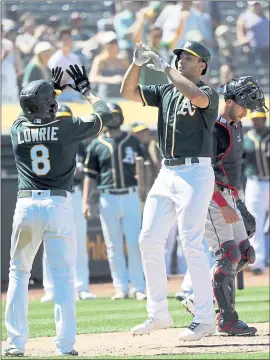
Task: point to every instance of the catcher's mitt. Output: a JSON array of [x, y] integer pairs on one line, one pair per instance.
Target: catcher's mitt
[[249, 220]]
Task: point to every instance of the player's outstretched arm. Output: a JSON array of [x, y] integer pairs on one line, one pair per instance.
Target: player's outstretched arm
[[83, 86]]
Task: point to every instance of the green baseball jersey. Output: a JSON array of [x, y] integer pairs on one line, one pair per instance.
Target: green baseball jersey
[[111, 161], [184, 130], [257, 154], [45, 152]]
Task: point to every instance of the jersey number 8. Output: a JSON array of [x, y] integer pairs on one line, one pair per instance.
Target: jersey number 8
[[40, 160]]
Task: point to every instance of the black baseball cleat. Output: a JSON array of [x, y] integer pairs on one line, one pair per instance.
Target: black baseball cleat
[[234, 328]]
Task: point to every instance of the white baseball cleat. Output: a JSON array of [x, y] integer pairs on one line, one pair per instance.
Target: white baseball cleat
[[151, 324], [13, 351], [196, 331], [181, 295], [70, 353], [140, 295], [85, 295], [120, 295], [188, 304], [47, 297]]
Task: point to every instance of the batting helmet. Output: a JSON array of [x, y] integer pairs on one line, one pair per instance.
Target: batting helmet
[[197, 49], [117, 118], [245, 91], [38, 98], [63, 111]]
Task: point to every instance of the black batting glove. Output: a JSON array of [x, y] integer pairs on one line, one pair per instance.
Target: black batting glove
[[81, 82], [57, 75]]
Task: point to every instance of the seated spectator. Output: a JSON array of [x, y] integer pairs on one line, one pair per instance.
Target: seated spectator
[[252, 30], [108, 68], [38, 67], [53, 29], [8, 75], [64, 57]]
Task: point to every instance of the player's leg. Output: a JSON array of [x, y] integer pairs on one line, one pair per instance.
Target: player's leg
[[158, 218], [193, 191], [255, 202], [25, 241], [47, 280], [110, 218], [228, 255], [131, 221], [82, 263], [169, 247], [60, 244]]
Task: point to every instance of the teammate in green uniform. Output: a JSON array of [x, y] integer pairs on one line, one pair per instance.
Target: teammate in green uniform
[[45, 151], [257, 172]]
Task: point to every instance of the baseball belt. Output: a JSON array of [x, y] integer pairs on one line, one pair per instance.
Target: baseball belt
[[180, 161], [28, 193]]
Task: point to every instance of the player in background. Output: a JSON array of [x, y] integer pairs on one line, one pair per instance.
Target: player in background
[[45, 152], [257, 173]]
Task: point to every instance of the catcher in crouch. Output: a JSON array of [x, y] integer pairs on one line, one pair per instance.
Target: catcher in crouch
[[229, 224]]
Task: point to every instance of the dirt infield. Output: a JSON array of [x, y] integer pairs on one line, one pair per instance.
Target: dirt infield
[[157, 343]]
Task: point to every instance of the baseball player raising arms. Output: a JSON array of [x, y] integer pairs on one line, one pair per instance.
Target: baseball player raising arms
[[45, 150], [184, 187], [229, 224]]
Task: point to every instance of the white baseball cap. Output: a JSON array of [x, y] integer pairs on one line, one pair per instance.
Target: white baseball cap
[[108, 37], [42, 46]]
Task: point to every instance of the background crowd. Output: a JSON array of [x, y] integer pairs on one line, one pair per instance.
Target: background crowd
[[37, 36]]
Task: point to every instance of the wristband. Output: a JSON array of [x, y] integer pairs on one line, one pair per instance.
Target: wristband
[[219, 199]]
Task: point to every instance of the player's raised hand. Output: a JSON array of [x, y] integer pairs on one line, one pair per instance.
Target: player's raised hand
[[158, 63], [138, 59], [80, 78], [57, 74]]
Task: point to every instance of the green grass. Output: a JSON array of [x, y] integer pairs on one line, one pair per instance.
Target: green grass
[[104, 315]]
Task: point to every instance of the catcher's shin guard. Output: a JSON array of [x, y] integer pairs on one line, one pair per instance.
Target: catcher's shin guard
[[248, 255], [227, 259]]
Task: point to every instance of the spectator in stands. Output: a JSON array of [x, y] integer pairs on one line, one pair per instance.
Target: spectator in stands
[[53, 29], [76, 24], [200, 21], [108, 68], [123, 22], [30, 34], [38, 67], [253, 30], [142, 27], [10, 32], [8, 74], [64, 57]]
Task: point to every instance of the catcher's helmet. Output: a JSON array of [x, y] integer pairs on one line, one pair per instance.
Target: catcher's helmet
[[117, 118], [195, 48], [245, 91], [63, 111], [38, 98]]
